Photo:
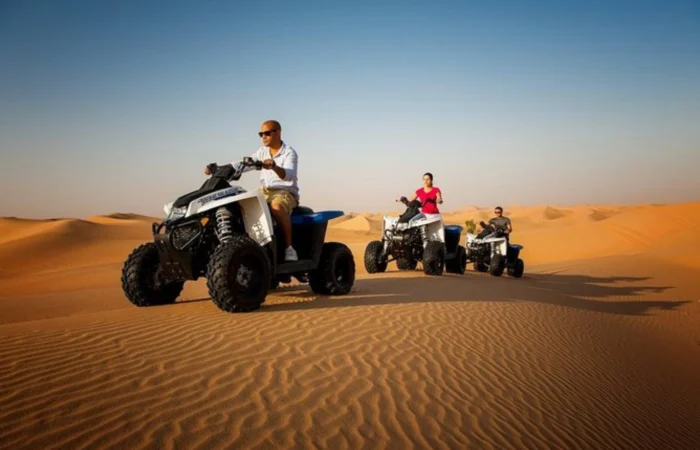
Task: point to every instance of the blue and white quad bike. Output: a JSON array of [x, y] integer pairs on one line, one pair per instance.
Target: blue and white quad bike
[[491, 251], [416, 237], [227, 235]]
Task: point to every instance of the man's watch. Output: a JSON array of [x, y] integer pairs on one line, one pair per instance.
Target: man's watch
[[274, 164]]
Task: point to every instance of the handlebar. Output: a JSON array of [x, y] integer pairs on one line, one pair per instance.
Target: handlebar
[[501, 229], [233, 172], [415, 203], [247, 161], [404, 200]]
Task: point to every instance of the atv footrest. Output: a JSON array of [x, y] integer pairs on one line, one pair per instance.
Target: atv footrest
[[302, 265]]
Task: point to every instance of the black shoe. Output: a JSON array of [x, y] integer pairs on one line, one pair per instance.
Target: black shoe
[[285, 278], [301, 277]]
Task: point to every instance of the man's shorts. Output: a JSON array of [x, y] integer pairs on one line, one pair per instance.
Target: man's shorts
[[281, 197]]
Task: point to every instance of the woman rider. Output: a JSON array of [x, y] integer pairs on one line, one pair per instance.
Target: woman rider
[[428, 195]]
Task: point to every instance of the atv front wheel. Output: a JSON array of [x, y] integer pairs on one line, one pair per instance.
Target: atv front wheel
[[518, 269], [434, 258], [497, 265], [373, 260], [458, 264], [238, 275], [406, 264], [335, 273], [140, 280]]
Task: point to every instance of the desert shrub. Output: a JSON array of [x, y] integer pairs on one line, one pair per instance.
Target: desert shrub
[[471, 226]]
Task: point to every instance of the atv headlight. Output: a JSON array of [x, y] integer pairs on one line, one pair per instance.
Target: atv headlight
[[176, 213]]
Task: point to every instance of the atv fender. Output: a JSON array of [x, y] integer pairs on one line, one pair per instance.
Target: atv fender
[[256, 213]]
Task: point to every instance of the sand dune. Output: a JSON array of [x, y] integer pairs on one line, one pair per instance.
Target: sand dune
[[360, 223], [598, 346], [122, 219], [27, 247]]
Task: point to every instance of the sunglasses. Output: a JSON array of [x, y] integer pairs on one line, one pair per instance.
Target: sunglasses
[[266, 133], [498, 212]]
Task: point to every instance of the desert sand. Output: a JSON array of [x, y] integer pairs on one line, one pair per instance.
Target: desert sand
[[598, 346]]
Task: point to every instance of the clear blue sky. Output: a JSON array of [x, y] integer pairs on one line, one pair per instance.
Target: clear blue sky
[[118, 106]]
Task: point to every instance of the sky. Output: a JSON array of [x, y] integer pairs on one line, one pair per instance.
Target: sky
[[118, 106]]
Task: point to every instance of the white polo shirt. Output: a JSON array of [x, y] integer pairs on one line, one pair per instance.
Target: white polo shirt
[[287, 159]]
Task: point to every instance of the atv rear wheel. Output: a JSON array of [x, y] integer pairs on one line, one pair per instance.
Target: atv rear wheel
[[238, 276], [458, 264], [434, 258], [373, 259], [518, 269], [335, 274], [406, 264], [140, 280], [497, 265]]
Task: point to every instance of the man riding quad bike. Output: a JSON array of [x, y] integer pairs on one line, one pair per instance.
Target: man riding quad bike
[[491, 251], [417, 237], [227, 235]]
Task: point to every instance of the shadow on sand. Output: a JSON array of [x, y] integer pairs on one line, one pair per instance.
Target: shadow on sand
[[612, 295]]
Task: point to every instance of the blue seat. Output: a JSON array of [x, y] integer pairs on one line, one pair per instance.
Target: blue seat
[[453, 229], [302, 211], [307, 216]]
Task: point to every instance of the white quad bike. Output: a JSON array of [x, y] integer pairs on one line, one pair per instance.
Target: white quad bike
[[413, 237], [491, 251], [227, 235]]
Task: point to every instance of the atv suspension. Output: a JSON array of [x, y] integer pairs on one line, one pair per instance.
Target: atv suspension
[[424, 235], [224, 229]]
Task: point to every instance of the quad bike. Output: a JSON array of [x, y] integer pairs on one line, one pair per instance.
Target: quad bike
[[414, 237], [227, 235], [491, 251]]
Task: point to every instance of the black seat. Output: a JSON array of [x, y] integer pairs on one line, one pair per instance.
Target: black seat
[[409, 214], [302, 210]]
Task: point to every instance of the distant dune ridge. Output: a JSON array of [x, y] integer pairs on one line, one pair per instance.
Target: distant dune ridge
[[598, 346]]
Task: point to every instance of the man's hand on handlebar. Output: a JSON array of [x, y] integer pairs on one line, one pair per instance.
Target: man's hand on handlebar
[[246, 161]]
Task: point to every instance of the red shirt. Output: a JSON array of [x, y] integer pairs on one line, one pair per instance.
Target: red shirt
[[428, 208]]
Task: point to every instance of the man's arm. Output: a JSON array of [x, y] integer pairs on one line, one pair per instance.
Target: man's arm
[[256, 156], [235, 164], [287, 171], [509, 226]]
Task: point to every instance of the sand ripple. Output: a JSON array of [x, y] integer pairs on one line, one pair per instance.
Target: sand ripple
[[436, 375], [596, 348]]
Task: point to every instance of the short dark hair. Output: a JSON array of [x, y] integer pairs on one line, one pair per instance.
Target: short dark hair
[[274, 123], [498, 208], [429, 174]]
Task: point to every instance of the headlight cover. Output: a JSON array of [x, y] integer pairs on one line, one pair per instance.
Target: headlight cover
[[176, 213]]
